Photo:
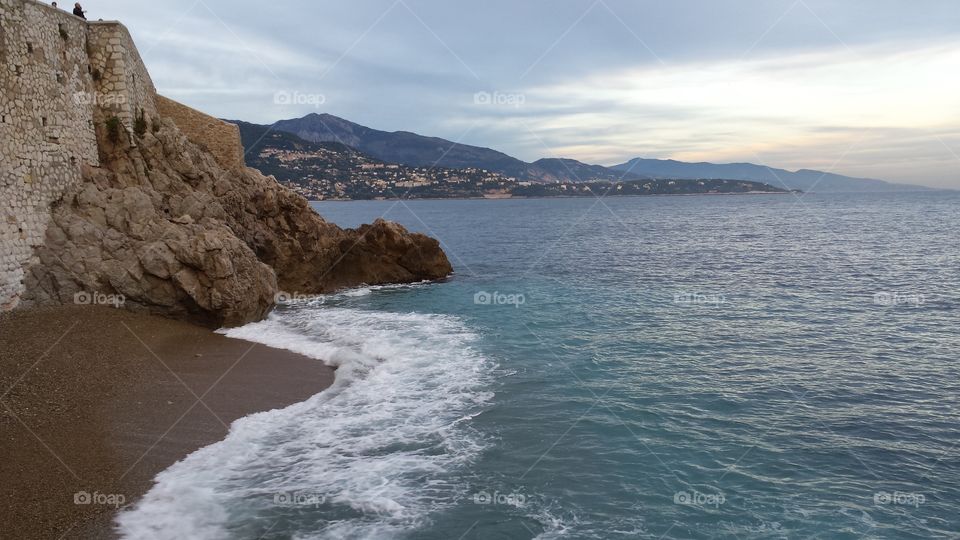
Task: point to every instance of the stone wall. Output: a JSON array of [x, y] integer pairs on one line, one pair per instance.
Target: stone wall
[[123, 85], [59, 76], [164, 216], [222, 139]]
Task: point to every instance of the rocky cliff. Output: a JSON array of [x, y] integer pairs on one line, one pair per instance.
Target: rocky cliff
[[118, 195], [163, 227]]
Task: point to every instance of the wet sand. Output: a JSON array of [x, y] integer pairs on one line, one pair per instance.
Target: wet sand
[[95, 401]]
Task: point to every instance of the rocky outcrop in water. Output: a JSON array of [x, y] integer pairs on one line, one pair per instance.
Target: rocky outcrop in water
[[164, 228]]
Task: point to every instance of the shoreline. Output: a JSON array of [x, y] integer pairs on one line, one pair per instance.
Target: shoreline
[[751, 193], [558, 197], [97, 401]]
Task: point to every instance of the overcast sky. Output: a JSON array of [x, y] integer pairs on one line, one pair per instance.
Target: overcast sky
[[860, 87]]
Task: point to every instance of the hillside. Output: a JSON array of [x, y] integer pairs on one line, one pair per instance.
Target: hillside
[[400, 147], [415, 150], [549, 170], [804, 180], [331, 170]]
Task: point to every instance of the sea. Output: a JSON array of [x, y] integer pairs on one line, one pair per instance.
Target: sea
[[743, 367]]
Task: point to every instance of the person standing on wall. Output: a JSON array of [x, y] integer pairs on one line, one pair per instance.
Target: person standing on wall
[[78, 11]]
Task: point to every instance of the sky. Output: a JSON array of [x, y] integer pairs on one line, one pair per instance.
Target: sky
[[866, 88]]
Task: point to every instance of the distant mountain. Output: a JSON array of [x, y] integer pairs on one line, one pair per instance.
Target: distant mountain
[[414, 150], [257, 137], [332, 170], [804, 180], [401, 147], [272, 152], [552, 170]]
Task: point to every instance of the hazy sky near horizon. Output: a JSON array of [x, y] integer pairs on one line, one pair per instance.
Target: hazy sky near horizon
[[859, 87]]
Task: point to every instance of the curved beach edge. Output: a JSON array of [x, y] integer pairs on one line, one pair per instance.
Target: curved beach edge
[[98, 401]]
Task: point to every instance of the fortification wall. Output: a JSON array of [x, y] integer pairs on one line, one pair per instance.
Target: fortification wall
[[222, 139], [59, 76], [123, 84]]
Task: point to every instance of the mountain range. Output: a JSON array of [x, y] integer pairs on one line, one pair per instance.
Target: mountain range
[[400, 147], [333, 170], [411, 149], [803, 180]]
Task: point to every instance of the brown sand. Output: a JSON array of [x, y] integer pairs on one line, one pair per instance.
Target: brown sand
[[98, 400]]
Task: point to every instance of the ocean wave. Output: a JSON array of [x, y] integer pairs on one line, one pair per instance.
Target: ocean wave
[[368, 458]]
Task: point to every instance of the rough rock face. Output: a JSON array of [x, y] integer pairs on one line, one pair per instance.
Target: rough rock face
[[166, 227]]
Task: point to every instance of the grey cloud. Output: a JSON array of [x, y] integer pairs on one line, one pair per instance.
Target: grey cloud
[[416, 69]]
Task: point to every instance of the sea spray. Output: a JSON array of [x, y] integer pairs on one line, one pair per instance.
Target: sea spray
[[368, 458]]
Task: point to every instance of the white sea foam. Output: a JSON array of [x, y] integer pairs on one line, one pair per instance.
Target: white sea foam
[[375, 451], [364, 291]]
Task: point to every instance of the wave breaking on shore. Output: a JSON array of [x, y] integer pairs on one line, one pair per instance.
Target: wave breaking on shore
[[369, 457]]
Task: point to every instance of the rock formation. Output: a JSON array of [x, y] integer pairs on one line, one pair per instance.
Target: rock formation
[[114, 192], [164, 227]]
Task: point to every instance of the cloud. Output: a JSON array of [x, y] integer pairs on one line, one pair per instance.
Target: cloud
[[602, 81], [787, 107]]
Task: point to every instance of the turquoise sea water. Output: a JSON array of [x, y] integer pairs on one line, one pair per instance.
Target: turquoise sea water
[[672, 367]]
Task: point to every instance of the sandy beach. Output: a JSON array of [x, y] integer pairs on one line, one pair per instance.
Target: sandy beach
[[96, 401]]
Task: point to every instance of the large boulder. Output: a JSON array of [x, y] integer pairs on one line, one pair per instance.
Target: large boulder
[[163, 227], [386, 253]]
